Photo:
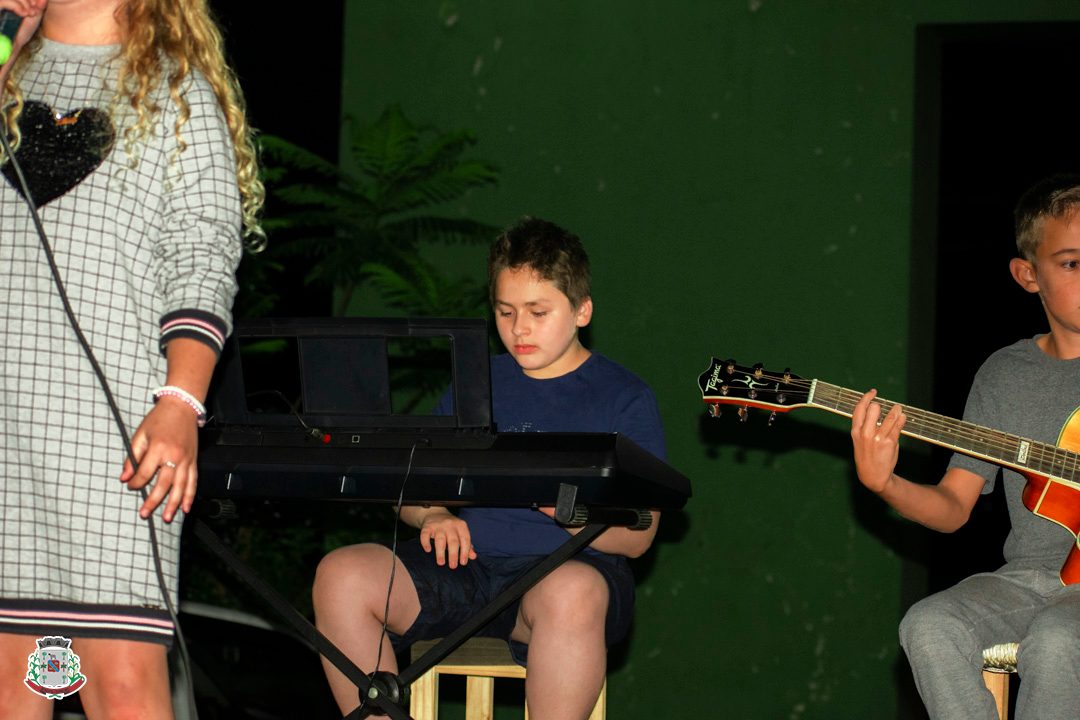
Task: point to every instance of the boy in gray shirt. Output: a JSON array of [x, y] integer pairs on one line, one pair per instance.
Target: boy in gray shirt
[[1029, 389]]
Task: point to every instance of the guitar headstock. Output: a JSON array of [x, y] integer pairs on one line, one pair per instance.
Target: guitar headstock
[[727, 383]]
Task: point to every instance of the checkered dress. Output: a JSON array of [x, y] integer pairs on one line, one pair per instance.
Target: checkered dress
[[146, 254]]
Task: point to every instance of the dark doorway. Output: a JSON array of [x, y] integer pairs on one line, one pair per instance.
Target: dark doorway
[[289, 68], [995, 112]]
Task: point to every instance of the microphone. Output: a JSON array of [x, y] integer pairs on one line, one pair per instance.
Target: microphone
[[9, 27]]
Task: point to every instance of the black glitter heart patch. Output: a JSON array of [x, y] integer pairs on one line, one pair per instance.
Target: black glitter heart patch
[[58, 151]]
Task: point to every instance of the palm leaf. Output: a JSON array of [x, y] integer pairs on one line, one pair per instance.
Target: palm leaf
[[412, 229], [384, 147], [365, 225], [293, 157]]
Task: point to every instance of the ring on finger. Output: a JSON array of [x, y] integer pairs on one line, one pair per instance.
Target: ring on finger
[[169, 464]]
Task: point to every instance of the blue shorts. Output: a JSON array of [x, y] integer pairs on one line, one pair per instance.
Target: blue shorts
[[449, 598]]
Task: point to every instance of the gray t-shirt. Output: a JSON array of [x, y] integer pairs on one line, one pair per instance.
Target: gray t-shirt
[[1023, 391]]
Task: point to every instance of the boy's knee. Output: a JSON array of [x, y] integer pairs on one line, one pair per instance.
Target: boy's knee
[[344, 571], [576, 593], [926, 623]]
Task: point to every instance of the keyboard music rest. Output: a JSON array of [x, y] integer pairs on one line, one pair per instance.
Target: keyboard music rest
[[517, 470]]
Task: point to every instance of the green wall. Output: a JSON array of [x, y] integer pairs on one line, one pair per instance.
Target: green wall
[[741, 173]]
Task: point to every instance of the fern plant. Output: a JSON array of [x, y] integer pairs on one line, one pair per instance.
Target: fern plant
[[350, 224]]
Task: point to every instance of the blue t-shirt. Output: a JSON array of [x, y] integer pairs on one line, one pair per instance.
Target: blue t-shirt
[[599, 396]]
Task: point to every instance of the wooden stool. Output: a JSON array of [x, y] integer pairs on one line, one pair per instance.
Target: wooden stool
[[480, 660], [999, 662]]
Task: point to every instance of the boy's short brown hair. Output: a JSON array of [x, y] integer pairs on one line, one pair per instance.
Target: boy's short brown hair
[[553, 253], [1057, 196]]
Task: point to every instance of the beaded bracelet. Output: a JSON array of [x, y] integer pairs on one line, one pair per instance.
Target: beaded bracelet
[[182, 394]]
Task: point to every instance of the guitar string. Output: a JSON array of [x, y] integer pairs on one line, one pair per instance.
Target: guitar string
[[929, 421], [993, 443]]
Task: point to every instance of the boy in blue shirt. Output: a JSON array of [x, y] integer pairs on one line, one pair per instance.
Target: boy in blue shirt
[[546, 382]]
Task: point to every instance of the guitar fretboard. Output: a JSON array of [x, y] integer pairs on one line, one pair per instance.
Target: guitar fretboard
[[994, 445]]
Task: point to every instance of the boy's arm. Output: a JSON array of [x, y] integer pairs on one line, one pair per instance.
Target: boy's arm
[[944, 507], [638, 419], [442, 530], [439, 528]]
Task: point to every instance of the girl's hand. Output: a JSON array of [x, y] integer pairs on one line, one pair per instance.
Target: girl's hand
[[449, 535], [31, 12], [165, 446]]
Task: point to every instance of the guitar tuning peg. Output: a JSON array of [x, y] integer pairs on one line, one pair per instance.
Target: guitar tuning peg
[[743, 413], [772, 417], [729, 366], [787, 375], [714, 410], [752, 394], [759, 370], [781, 398]]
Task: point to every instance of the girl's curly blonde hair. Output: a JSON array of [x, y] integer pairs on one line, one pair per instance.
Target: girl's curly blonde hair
[[169, 38]]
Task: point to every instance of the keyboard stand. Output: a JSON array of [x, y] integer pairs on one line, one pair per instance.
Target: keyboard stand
[[388, 692]]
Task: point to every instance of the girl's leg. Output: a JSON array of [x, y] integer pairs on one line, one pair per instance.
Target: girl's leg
[[17, 700], [125, 680]]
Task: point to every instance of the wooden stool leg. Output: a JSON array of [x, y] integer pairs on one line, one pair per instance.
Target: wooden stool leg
[[480, 660], [424, 701], [998, 685], [479, 698]]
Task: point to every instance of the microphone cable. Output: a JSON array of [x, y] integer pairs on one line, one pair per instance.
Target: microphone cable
[[359, 712], [110, 399]]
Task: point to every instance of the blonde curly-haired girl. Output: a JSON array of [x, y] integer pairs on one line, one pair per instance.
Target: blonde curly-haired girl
[[131, 133]]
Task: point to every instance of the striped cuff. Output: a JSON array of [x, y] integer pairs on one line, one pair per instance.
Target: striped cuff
[[195, 324], [76, 620]]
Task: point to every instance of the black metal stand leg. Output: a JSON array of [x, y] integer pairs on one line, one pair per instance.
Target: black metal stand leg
[[300, 623], [387, 692]]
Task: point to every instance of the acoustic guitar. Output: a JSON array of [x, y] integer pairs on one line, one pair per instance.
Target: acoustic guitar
[[1052, 471]]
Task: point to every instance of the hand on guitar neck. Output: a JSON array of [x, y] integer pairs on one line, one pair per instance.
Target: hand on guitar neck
[[876, 440], [944, 507], [1053, 473]]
